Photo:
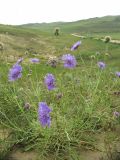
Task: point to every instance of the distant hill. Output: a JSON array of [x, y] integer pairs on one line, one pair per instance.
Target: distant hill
[[95, 25], [15, 30]]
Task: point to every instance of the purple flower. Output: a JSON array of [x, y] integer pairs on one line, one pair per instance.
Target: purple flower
[[116, 114], [101, 65], [49, 81], [118, 74], [44, 114], [69, 61], [15, 72], [34, 60], [76, 45]]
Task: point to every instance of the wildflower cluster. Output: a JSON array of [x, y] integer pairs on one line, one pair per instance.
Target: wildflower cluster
[[50, 82]]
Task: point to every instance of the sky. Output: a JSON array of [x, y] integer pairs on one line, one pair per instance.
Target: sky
[[37, 11]]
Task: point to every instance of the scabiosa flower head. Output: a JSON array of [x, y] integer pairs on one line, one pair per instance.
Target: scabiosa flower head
[[76, 45], [19, 60], [49, 81], [98, 53], [107, 39], [59, 96], [116, 114], [101, 65], [92, 56], [118, 74], [44, 114], [69, 61], [15, 72], [27, 106], [34, 60]]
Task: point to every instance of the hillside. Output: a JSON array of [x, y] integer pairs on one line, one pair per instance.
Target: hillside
[[83, 97], [102, 24], [95, 27]]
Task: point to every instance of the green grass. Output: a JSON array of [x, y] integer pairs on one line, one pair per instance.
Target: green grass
[[86, 107]]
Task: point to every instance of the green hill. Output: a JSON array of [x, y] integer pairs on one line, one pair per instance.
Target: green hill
[[39, 38], [95, 25]]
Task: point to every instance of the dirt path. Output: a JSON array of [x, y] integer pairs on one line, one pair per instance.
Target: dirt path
[[76, 35], [112, 41], [84, 155]]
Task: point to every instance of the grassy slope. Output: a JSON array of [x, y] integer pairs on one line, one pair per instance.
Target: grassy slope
[[93, 96], [18, 40], [108, 25], [94, 25]]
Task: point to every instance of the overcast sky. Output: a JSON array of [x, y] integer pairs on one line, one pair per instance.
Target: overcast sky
[[37, 11]]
